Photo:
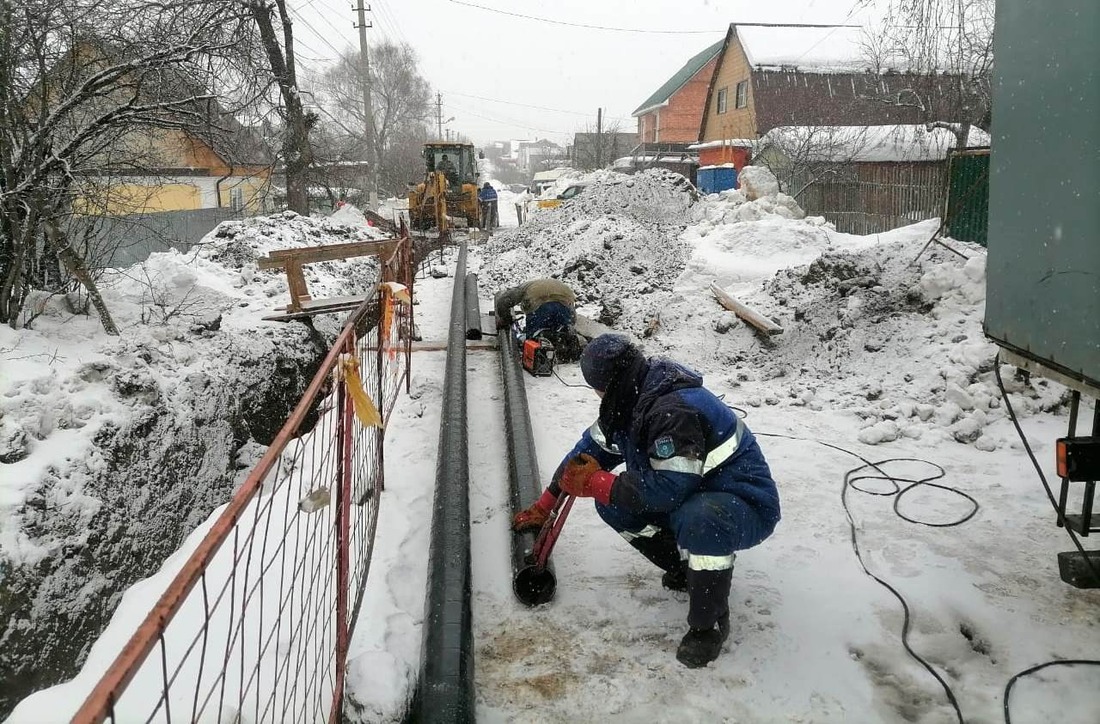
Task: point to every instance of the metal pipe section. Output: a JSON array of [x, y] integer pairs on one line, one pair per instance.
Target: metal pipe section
[[473, 308], [445, 692], [532, 586]]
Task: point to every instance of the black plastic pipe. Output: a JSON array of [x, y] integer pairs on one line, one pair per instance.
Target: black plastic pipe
[[445, 692], [531, 585], [473, 308]]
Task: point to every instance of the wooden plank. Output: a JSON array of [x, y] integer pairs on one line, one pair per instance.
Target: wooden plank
[[750, 315], [302, 314], [324, 304], [330, 252], [296, 285]]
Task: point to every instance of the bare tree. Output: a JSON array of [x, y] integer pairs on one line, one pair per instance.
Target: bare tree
[[945, 49], [801, 156], [297, 153], [82, 85], [597, 147], [401, 103]]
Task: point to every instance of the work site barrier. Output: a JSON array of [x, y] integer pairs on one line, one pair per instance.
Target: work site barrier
[[255, 625]]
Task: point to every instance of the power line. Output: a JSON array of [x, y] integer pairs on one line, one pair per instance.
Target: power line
[[320, 35], [528, 105], [585, 25], [506, 122]]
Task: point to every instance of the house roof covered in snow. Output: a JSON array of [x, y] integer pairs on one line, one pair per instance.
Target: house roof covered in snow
[[837, 48], [867, 144], [676, 82]]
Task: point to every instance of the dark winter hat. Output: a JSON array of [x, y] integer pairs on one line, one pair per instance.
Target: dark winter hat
[[605, 357]]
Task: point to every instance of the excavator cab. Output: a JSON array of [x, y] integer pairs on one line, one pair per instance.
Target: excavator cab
[[449, 190]]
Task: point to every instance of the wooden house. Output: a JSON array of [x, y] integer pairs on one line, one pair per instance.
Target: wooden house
[[770, 76]]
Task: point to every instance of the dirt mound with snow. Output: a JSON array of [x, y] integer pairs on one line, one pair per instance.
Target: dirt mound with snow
[[619, 238]]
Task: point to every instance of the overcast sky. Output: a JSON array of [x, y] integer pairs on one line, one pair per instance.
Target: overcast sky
[[491, 67]]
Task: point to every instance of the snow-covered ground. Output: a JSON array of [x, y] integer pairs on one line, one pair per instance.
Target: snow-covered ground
[[113, 449], [815, 638], [879, 356]]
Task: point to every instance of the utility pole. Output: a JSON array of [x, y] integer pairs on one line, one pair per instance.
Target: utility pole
[[439, 115], [600, 138], [368, 108]]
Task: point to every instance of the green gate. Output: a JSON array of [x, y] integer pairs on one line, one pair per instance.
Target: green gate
[[967, 214]]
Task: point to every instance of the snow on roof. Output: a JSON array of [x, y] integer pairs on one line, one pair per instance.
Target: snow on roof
[[837, 49], [743, 142], [552, 174], [867, 144]]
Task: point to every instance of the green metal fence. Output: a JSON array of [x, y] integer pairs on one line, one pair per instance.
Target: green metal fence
[[967, 213]]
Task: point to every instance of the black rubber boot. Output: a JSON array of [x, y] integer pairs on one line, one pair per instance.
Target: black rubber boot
[[662, 552], [708, 617]]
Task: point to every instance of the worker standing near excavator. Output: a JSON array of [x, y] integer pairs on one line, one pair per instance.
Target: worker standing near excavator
[[696, 488], [548, 306], [487, 196]]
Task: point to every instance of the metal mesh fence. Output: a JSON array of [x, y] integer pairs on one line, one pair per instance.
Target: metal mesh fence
[[255, 625]]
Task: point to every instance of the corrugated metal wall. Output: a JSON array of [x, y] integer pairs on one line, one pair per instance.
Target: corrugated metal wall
[[119, 241], [968, 196]]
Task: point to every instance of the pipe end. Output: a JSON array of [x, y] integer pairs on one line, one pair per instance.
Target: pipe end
[[534, 587]]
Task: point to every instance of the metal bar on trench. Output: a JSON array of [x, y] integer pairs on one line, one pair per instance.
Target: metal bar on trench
[[445, 691], [531, 584]]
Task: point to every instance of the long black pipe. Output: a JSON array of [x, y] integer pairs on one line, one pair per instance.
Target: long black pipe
[[531, 585], [473, 308], [446, 686]]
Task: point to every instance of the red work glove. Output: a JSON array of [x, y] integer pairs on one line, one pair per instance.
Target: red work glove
[[584, 478], [534, 517]]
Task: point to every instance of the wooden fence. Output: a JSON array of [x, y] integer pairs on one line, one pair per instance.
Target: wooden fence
[[868, 198]]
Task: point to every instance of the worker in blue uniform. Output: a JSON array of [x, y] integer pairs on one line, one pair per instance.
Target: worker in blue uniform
[[695, 490]]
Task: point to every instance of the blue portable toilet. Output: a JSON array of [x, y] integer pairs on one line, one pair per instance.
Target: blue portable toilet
[[712, 179]]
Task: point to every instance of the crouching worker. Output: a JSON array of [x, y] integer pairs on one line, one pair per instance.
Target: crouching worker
[[548, 306], [696, 486]]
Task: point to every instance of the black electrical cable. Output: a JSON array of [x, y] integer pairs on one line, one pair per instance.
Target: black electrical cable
[[1073, 537], [1033, 669], [851, 476], [1035, 462], [567, 384]]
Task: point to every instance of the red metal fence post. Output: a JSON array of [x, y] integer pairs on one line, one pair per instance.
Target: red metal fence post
[[344, 432]]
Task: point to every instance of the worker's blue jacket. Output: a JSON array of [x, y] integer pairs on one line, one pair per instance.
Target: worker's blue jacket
[[686, 453], [487, 194]]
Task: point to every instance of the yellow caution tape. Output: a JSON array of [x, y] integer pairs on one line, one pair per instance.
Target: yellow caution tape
[[364, 408]]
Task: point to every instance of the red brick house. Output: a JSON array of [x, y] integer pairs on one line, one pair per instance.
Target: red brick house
[[770, 76], [674, 111]]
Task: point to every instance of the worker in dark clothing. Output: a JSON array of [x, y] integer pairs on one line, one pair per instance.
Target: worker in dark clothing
[[487, 195], [696, 486], [548, 307], [448, 168]]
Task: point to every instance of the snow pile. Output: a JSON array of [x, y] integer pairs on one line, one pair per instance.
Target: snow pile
[[901, 344], [758, 182], [349, 215], [618, 239]]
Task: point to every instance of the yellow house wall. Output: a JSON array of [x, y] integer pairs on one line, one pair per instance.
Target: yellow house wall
[[735, 122], [126, 198], [256, 191]]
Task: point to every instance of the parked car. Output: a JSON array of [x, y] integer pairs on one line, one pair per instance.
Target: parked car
[[569, 192]]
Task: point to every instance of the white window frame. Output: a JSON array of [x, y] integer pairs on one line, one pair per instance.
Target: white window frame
[[741, 95], [723, 102]]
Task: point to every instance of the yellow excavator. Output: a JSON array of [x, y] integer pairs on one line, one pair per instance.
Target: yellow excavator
[[449, 190]]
